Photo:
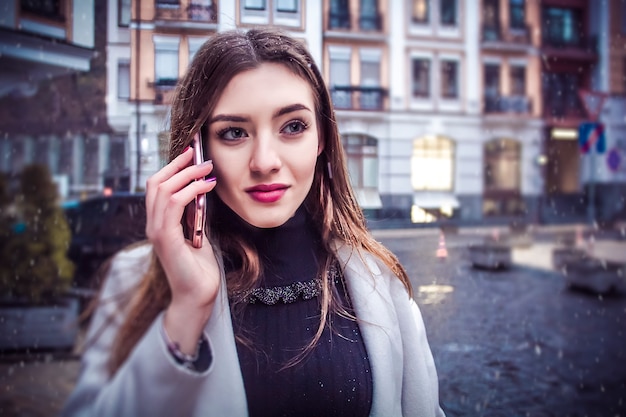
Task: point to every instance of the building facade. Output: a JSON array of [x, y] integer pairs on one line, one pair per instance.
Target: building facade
[[51, 100], [446, 108], [461, 110]]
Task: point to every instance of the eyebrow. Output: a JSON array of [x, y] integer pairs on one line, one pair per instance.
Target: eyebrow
[[241, 119]]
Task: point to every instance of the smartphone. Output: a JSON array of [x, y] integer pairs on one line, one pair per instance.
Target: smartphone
[[200, 208]]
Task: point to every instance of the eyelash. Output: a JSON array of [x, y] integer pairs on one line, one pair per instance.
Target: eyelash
[[229, 130]]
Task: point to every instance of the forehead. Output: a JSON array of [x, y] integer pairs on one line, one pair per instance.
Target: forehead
[[268, 85]]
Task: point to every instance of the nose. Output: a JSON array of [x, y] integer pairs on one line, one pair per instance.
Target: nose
[[265, 156]]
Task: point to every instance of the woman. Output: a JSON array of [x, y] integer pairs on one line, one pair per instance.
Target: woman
[[290, 307]]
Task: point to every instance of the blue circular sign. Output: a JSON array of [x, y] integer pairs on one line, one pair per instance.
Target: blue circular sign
[[614, 159]]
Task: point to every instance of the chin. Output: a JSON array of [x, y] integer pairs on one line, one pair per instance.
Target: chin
[[268, 220]]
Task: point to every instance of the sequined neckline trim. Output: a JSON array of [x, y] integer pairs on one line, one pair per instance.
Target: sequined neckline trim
[[287, 294]]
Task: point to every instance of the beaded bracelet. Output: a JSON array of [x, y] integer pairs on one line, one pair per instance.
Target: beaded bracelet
[[180, 357]]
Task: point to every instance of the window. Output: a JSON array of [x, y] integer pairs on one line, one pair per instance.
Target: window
[[491, 26], [369, 18], [362, 159], [123, 13], [421, 77], [420, 11], [50, 9], [340, 77], [371, 96], [492, 80], [287, 6], [339, 17], [432, 163], [560, 94], [123, 80], [562, 27], [492, 87], [502, 165], [166, 60], [518, 14], [167, 3], [194, 45], [449, 79], [448, 12], [254, 4], [518, 80], [117, 153]]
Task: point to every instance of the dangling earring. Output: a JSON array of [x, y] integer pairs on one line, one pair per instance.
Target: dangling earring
[[330, 170]]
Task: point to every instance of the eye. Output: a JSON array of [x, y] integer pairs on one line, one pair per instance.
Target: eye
[[232, 133], [295, 127]]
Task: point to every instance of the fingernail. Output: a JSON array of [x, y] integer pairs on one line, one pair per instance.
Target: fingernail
[[212, 179], [205, 163], [186, 149]]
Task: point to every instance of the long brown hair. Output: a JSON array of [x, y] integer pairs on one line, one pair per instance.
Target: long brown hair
[[330, 202]]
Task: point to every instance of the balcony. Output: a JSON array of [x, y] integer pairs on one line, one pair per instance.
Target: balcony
[[507, 104], [559, 108], [513, 35], [170, 13], [582, 48], [163, 90], [358, 97]]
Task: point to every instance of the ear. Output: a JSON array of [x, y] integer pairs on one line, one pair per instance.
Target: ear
[[320, 146]]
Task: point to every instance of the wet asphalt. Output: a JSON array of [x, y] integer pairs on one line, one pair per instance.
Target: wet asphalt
[[513, 342]]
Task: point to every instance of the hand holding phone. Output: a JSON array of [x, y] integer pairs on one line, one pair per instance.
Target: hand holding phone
[[200, 207]]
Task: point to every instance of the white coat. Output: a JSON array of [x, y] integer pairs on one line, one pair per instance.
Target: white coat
[[151, 383]]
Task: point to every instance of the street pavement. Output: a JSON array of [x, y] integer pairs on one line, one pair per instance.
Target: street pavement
[[514, 342]]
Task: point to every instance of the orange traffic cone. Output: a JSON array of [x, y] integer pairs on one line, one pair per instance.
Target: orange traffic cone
[[442, 252]]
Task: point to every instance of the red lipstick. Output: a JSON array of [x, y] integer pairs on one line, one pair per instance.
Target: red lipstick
[[267, 193]]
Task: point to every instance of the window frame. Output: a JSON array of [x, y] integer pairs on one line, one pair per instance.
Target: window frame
[[514, 24], [123, 63], [120, 11], [255, 8], [171, 46], [444, 150], [420, 21], [282, 10], [56, 13], [455, 3], [457, 75], [429, 67]]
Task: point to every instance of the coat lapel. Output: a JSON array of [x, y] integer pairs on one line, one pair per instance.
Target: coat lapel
[[369, 292]]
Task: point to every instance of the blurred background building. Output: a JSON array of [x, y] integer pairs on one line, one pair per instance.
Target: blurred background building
[[449, 110]]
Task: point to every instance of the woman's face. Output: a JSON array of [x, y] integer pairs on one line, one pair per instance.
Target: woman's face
[[263, 139]]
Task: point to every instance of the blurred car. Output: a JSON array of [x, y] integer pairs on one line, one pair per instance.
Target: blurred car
[[100, 227]]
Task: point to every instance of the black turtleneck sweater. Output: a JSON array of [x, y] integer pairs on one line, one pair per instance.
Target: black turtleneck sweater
[[332, 380]]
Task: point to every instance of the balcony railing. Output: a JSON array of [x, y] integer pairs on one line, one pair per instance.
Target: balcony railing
[[199, 12], [585, 43], [358, 97], [563, 108], [163, 83], [496, 33], [507, 104]]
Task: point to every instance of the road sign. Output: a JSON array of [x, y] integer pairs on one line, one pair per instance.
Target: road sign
[[590, 134], [614, 159], [593, 102]]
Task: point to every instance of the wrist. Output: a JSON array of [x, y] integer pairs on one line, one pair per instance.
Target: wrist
[[183, 326]]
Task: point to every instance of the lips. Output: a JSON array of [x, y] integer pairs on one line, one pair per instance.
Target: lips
[[267, 193]]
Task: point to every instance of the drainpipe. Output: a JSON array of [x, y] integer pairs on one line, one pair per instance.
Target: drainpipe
[[137, 80]]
